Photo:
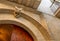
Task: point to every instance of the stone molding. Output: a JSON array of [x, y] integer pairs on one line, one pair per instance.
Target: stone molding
[[30, 21]]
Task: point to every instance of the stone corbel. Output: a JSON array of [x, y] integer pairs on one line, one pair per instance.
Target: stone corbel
[[17, 12]]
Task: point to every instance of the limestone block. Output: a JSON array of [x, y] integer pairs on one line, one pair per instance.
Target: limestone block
[[36, 4], [15, 1], [32, 3], [24, 2], [19, 1], [28, 2], [11, 0]]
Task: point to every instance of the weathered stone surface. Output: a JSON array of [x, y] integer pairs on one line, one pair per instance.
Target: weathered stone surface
[[29, 3]]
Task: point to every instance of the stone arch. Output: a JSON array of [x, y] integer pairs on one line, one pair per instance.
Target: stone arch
[[30, 30], [16, 21], [37, 37]]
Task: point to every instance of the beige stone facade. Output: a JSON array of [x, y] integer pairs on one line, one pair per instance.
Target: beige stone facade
[[41, 27]]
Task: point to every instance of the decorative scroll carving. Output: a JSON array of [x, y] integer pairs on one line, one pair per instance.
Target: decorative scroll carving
[[17, 12]]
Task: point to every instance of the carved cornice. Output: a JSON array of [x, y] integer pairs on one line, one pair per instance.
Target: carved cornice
[[29, 3]]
